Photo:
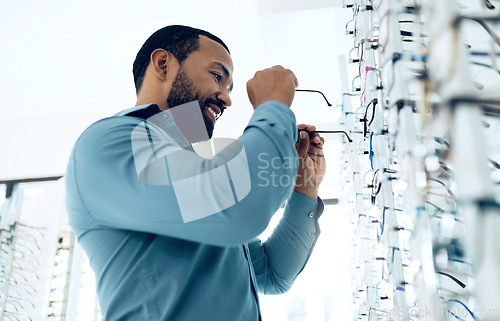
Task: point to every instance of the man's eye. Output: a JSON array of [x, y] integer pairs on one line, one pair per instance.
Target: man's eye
[[217, 76]]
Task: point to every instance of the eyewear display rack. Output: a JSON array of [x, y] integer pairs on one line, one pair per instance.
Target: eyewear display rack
[[423, 169], [44, 273]]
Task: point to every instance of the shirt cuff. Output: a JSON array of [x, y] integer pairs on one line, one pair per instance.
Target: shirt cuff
[[303, 210]]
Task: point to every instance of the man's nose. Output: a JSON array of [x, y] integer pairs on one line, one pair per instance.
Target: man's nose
[[224, 98]]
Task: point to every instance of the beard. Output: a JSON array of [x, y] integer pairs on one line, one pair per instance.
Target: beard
[[183, 91]]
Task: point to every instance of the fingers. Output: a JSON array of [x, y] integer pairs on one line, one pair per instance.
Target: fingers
[[275, 83], [318, 140], [314, 138], [303, 144], [294, 78], [315, 150], [305, 127]]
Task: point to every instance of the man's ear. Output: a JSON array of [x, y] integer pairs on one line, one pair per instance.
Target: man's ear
[[161, 62]]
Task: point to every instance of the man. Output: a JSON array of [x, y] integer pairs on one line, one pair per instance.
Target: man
[[153, 257]]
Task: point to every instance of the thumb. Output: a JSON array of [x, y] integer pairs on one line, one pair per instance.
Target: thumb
[[303, 144]]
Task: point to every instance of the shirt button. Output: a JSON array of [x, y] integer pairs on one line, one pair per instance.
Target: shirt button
[[311, 214]]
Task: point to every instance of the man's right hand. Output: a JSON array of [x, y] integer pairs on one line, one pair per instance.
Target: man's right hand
[[276, 83]]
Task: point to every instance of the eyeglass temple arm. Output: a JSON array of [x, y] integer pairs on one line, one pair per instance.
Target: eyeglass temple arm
[[333, 132], [315, 91]]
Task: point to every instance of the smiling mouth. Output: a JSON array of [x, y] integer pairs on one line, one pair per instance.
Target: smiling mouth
[[215, 111]]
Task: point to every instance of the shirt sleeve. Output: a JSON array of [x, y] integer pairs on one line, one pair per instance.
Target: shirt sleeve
[[279, 260], [104, 190]]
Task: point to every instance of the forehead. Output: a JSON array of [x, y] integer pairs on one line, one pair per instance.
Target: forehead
[[210, 51]]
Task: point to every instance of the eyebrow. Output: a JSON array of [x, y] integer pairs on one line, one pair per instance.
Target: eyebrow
[[225, 71]]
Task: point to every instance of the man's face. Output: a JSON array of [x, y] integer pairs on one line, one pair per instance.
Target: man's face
[[183, 91], [206, 76]]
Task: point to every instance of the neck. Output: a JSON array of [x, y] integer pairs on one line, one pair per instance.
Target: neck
[[144, 97]]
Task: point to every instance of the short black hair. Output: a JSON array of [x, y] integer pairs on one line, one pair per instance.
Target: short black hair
[[180, 41]]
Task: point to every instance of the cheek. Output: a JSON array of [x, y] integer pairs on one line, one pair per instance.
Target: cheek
[[172, 73], [203, 82], [207, 86]]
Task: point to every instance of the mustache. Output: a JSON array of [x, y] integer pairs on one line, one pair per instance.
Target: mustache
[[217, 103]]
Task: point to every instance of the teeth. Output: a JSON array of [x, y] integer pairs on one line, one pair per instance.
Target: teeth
[[212, 111]]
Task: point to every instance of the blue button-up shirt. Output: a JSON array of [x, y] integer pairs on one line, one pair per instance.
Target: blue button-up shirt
[[150, 263]]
